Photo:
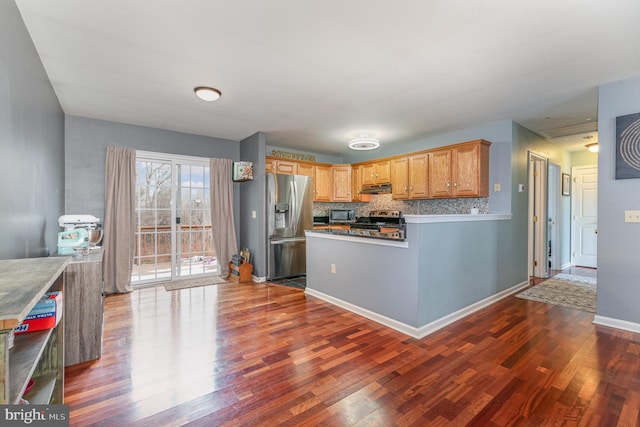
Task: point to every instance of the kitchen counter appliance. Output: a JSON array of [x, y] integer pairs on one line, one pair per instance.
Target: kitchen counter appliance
[[289, 214], [342, 216], [80, 232], [381, 224]]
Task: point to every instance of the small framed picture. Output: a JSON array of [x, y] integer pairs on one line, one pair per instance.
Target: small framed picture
[[566, 184], [242, 171]]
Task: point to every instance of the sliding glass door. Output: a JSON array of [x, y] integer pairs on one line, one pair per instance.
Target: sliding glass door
[[173, 219]]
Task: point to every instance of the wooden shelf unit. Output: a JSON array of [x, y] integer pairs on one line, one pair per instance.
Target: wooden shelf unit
[[38, 355]]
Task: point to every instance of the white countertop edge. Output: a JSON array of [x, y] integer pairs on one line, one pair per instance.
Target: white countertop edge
[[365, 240], [424, 219]]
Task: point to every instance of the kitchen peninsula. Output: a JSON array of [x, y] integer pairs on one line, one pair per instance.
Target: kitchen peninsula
[[445, 269]]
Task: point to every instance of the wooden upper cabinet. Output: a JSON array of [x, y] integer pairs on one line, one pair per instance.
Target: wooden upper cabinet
[[383, 172], [356, 183], [460, 171], [322, 183], [440, 173], [418, 176], [470, 172], [282, 166], [400, 178], [306, 169], [409, 178], [376, 172], [341, 179], [368, 173]]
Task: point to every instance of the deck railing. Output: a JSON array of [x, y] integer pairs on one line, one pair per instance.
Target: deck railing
[[194, 240]]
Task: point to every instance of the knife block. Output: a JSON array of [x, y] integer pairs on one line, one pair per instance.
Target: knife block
[[240, 273]]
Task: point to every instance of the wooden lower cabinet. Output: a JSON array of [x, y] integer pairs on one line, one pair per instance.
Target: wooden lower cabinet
[[84, 309]]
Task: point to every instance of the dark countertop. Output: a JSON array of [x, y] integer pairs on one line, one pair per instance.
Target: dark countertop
[[339, 232]]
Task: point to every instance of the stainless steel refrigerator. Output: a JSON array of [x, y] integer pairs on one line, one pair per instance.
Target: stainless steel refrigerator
[[289, 213]]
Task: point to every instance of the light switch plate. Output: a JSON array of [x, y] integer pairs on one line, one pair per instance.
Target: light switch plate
[[631, 216], [496, 187]]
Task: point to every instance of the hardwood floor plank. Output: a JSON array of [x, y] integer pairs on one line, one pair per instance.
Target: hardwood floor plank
[[260, 354]]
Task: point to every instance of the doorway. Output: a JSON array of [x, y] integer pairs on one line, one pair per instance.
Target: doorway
[[554, 220], [173, 219], [538, 243], [584, 220]]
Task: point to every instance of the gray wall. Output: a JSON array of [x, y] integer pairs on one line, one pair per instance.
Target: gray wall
[[253, 233], [31, 143], [524, 142], [618, 242], [86, 147]]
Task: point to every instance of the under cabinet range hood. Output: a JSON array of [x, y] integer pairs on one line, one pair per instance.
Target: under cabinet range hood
[[376, 189]]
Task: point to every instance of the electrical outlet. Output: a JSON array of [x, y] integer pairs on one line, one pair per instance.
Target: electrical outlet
[[496, 187], [631, 216], [254, 214], [333, 268]]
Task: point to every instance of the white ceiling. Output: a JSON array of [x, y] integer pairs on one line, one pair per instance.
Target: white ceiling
[[313, 74]]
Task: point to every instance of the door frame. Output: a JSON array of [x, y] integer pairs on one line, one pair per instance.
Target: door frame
[[173, 160], [537, 215], [554, 216]]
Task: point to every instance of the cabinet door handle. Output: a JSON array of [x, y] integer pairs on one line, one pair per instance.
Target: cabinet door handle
[[448, 184], [455, 184]]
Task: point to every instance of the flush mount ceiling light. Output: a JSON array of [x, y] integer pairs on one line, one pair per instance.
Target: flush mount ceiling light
[[593, 147], [364, 143], [207, 93]]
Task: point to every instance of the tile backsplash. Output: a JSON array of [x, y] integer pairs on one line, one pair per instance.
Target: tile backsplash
[[407, 207]]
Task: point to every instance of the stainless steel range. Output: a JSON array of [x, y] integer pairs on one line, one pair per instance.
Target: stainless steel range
[[381, 224]]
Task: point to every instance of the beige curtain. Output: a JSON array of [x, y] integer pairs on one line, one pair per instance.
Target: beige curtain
[[119, 219], [222, 222]]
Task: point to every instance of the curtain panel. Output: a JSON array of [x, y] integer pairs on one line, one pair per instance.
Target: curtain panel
[[222, 219], [119, 219]]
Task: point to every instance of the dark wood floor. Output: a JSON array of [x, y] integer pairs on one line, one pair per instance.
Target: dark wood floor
[[263, 355]]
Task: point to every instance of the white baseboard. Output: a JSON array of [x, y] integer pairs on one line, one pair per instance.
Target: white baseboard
[[616, 323], [259, 279], [565, 266], [424, 330]]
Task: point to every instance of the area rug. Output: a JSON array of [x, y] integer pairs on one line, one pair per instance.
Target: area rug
[[193, 283], [578, 293]]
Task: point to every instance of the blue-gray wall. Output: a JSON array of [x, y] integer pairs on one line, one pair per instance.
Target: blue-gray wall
[[31, 145], [86, 144], [526, 141], [253, 234], [618, 242]]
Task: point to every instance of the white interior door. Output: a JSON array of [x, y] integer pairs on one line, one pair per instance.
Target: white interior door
[[585, 216]]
